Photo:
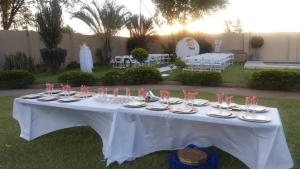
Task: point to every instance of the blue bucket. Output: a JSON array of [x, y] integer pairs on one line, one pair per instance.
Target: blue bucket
[[211, 163]]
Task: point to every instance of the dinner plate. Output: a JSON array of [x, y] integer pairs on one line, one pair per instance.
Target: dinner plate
[[258, 109], [157, 107], [53, 92], [183, 110], [199, 102], [135, 104], [47, 98], [224, 105], [71, 93], [69, 99], [31, 96], [172, 101], [81, 95], [222, 114], [256, 118]]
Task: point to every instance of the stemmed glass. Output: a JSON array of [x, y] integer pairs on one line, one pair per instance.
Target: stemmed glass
[[128, 94], [220, 97], [192, 96], [49, 88], [185, 96], [228, 102], [254, 104], [167, 97], [141, 94], [248, 104], [116, 93]]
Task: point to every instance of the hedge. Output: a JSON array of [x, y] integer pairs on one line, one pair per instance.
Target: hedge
[[16, 79], [206, 78], [76, 78], [275, 79], [113, 77], [138, 75]]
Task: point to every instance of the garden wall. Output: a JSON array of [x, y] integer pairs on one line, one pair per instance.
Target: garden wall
[[278, 46], [29, 43]]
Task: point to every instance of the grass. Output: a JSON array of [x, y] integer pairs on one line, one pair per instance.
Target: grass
[[80, 148]]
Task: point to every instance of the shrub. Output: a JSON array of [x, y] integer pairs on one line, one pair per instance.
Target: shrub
[[205, 46], [257, 42], [180, 64], [274, 79], [113, 77], [53, 58], [18, 61], [77, 78], [140, 54], [199, 78], [73, 65], [15, 79], [141, 75]]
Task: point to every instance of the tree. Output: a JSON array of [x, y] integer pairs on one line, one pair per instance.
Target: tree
[[140, 34], [49, 20], [9, 10], [105, 21], [182, 11], [233, 26]]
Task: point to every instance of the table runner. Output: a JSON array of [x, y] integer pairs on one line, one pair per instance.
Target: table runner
[[130, 133]]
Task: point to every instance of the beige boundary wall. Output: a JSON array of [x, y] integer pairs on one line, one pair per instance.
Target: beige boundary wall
[[278, 46]]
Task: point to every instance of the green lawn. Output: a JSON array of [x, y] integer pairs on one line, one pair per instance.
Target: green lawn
[[80, 148]]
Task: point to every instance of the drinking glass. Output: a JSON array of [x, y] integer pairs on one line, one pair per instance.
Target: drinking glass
[[254, 104], [116, 93], [185, 96], [192, 96], [247, 104], [141, 94], [128, 94], [228, 102], [220, 97]]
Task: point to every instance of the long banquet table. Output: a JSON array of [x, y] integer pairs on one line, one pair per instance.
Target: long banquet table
[[131, 133]]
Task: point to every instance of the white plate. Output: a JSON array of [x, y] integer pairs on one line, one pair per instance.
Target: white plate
[[258, 109], [256, 118], [157, 107], [69, 99], [183, 110], [222, 114], [200, 102], [71, 93], [47, 98], [224, 105], [135, 104], [172, 101], [31, 96], [81, 95], [53, 92]]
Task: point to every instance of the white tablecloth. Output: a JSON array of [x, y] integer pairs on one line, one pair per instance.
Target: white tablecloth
[[131, 133]]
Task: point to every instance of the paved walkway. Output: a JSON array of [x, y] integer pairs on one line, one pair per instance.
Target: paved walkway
[[227, 90]]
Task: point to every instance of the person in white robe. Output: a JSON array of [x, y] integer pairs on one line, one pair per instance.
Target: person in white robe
[[86, 59]]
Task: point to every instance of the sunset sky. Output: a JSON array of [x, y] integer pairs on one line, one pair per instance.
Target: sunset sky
[[255, 16]]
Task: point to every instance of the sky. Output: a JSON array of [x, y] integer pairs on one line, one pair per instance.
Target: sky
[[255, 16]]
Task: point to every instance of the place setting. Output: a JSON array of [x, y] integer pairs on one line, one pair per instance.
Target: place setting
[[223, 105]]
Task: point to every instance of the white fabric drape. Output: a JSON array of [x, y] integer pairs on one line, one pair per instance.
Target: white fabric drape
[[130, 133], [86, 59]]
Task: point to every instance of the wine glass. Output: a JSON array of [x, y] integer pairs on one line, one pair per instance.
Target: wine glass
[[185, 96], [228, 102], [128, 94], [220, 97], [192, 96], [116, 93], [254, 104], [247, 104], [141, 94], [167, 97]]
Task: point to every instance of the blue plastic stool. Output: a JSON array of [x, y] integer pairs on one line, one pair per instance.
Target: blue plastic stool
[[211, 163]]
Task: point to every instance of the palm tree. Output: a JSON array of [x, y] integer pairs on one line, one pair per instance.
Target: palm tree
[[140, 33], [105, 21]]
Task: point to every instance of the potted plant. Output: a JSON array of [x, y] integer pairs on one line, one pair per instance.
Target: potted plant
[[256, 42], [140, 54]]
